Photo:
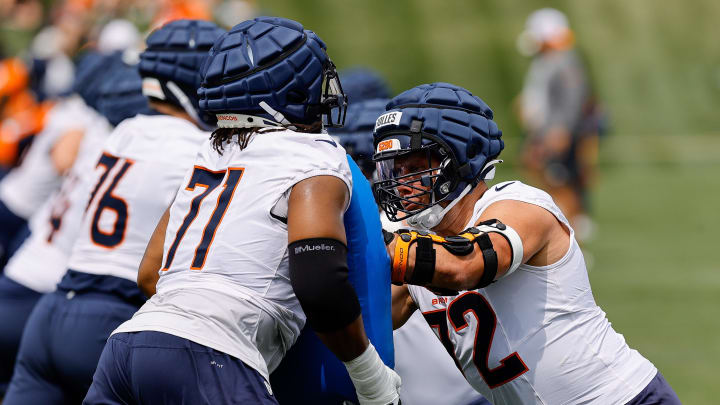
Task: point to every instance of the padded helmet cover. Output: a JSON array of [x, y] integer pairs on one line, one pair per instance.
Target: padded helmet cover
[[356, 136], [93, 70], [121, 97], [451, 116], [362, 84], [176, 52], [268, 59]]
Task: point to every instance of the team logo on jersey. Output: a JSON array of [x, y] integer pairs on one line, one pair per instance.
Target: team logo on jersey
[[388, 144], [391, 118], [330, 141], [498, 188]]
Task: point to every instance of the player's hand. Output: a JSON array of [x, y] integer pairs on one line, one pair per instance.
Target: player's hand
[[388, 393]]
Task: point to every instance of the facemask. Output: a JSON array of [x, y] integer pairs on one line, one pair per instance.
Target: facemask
[[431, 217]]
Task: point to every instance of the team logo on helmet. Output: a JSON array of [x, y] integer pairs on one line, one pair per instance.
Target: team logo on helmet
[[388, 145]]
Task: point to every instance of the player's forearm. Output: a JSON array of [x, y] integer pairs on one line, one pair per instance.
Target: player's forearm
[[148, 275], [456, 272], [148, 272], [346, 343], [402, 305], [459, 272], [152, 259]]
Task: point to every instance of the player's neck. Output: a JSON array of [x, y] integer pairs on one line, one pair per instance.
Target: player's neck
[[457, 218], [168, 109]]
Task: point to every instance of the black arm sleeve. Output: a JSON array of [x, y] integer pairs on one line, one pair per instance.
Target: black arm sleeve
[[319, 277]]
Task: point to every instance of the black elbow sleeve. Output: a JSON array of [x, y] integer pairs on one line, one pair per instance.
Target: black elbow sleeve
[[319, 277]]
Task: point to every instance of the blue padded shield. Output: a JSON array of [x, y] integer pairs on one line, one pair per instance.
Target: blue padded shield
[[356, 136], [93, 71], [454, 116], [267, 59], [362, 84], [121, 97], [310, 373]]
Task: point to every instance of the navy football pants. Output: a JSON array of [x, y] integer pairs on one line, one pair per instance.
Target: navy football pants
[[158, 368], [16, 304], [61, 345], [658, 392], [13, 231]]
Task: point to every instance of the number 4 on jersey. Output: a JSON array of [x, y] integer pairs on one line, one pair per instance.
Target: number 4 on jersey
[[209, 180]]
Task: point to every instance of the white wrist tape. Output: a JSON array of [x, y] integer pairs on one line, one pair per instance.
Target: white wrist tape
[[368, 374]]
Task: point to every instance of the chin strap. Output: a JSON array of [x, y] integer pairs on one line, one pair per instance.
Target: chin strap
[[187, 105], [488, 171], [277, 115]]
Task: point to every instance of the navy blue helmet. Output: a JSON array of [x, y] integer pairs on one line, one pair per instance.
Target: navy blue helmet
[[93, 70], [271, 71], [445, 123], [121, 97], [363, 84], [171, 63], [356, 136]]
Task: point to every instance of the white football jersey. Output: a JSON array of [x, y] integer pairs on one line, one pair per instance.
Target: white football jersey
[[429, 375], [28, 186], [536, 336], [225, 281], [41, 261], [136, 177]]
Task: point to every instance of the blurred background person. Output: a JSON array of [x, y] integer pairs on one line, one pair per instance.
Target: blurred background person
[[53, 129], [559, 115], [40, 262]]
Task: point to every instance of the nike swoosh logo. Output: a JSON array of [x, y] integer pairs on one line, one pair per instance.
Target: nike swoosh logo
[[328, 141], [498, 188]]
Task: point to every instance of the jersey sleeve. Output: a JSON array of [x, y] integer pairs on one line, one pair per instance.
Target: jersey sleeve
[[320, 156]]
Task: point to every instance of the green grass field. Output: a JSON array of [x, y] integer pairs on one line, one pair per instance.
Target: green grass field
[[656, 254]]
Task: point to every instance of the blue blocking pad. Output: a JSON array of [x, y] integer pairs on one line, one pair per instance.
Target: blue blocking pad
[[310, 372]]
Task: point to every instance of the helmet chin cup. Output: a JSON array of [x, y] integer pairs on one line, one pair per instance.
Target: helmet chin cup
[[431, 217], [427, 219]]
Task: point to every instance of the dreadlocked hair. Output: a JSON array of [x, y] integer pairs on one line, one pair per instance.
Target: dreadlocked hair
[[222, 136]]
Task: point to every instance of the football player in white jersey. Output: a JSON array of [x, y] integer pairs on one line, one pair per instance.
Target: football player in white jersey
[[431, 378], [41, 261], [496, 272], [136, 177], [26, 188], [254, 243]]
